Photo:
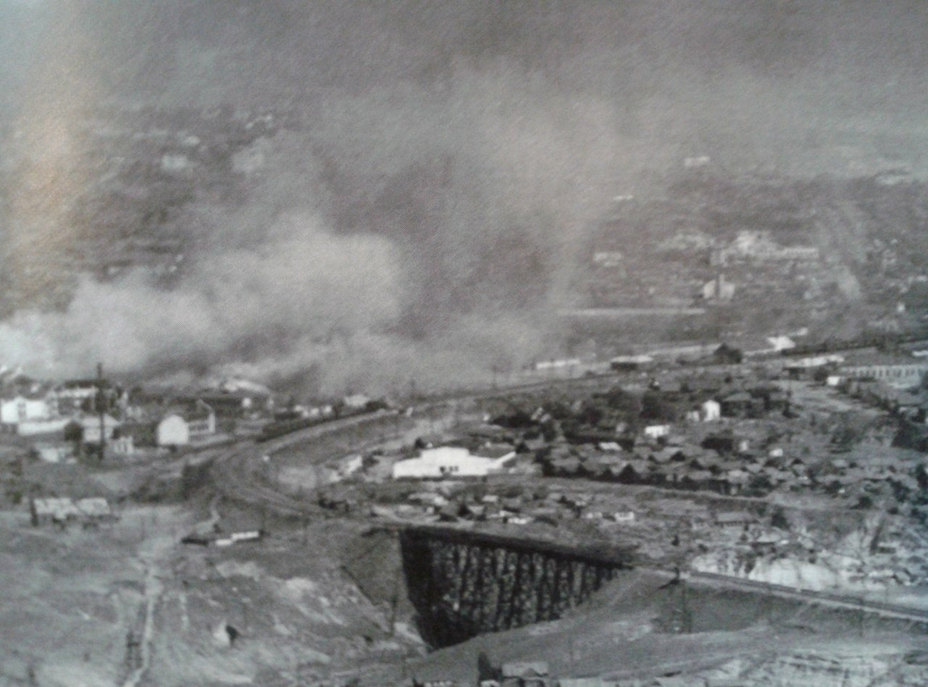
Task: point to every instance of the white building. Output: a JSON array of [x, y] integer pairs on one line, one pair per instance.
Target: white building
[[173, 430], [55, 453], [13, 411], [710, 411], [718, 289], [90, 424], [656, 431], [899, 376], [356, 401], [557, 364], [781, 343], [449, 461], [62, 510], [179, 429], [38, 427]]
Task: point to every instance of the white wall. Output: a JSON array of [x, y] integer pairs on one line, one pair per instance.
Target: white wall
[[21, 409], [173, 431], [711, 410], [41, 427], [446, 461]]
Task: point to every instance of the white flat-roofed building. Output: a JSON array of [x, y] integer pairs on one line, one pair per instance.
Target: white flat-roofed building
[[449, 461], [20, 409]]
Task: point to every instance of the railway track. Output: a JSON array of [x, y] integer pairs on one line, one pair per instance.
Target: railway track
[[236, 472], [833, 599], [236, 476]]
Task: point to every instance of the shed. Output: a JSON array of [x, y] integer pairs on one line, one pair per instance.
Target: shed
[[59, 510], [736, 404], [734, 519], [96, 508]]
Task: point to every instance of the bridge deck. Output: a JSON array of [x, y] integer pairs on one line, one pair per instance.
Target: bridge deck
[[598, 554]]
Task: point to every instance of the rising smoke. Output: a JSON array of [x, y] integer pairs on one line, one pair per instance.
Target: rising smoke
[[425, 219]]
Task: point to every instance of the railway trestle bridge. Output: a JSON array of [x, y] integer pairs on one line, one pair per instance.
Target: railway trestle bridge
[[464, 583]]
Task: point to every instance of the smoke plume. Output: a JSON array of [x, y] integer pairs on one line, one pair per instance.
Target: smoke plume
[[421, 216]]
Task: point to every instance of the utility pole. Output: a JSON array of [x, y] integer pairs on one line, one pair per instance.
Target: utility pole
[[101, 410]]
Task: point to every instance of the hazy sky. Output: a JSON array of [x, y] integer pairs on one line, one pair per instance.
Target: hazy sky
[[758, 82], [462, 146]]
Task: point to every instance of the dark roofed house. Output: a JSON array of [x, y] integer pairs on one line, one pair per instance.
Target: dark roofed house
[[563, 467], [667, 455], [694, 479], [736, 404], [599, 466], [701, 459], [720, 443], [632, 472], [671, 388], [703, 384], [777, 400], [736, 481]]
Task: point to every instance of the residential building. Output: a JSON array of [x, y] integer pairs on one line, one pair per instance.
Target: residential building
[[90, 426], [64, 510], [356, 401], [74, 393], [25, 408], [54, 453], [172, 430], [736, 404], [710, 411], [186, 425], [718, 289], [656, 431], [897, 375], [32, 428]]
